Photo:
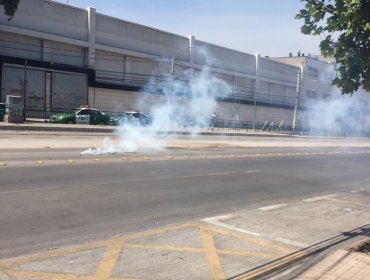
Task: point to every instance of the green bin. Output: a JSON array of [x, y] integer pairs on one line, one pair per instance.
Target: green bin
[[2, 111]]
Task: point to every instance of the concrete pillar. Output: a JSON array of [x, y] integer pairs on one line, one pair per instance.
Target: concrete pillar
[[91, 11], [299, 88], [192, 51], [257, 88]]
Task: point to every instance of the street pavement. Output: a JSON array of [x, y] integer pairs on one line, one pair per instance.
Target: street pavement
[[210, 208]]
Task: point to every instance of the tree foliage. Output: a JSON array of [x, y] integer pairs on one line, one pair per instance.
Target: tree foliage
[[344, 27], [10, 6]]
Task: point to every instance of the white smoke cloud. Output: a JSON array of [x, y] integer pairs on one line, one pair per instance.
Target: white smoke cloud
[[183, 103], [340, 116]]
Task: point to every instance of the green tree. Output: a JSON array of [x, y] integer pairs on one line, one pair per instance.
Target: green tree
[[344, 27], [10, 6]]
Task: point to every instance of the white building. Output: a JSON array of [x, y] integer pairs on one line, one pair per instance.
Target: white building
[[70, 56], [322, 106]]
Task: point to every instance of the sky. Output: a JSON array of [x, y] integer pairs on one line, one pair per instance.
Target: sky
[[267, 27]]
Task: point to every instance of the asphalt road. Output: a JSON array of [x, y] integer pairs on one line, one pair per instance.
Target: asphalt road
[[47, 202]]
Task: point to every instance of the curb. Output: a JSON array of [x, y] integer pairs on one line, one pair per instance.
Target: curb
[[70, 128], [289, 260]]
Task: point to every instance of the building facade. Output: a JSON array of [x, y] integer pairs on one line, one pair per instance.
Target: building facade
[[59, 57], [322, 107]]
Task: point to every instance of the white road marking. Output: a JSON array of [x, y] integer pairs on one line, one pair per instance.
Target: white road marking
[[291, 242], [339, 165], [272, 207], [233, 172], [29, 190], [317, 198], [349, 202], [216, 221]]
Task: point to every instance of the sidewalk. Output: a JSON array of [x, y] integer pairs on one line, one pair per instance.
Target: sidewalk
[[29, 126], [340, 265]]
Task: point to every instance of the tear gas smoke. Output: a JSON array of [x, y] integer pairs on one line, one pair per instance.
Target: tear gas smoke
[[340, 116], [186, 103]]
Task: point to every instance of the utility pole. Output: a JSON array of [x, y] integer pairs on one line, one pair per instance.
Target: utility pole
[[239, 114], [296, 100], [24, 90], [256, 88], [172, 78]]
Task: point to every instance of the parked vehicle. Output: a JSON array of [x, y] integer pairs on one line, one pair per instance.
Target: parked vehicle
[[82, 116], [131, 117]]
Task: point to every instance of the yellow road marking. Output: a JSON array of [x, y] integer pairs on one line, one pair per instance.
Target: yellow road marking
[[98, 160], [214, 263], [3, 164], [165, 248], [287, 261], [109, 260], [254, 240], [41, 275], [248, 253], [115, 246], [52, 254], [39, 162]]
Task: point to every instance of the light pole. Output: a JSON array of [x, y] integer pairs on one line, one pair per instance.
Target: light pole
[[299, 77], [256, 88], [24, 90], [172, 77]]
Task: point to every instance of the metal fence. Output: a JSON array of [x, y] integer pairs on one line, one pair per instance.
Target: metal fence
[[44, 115]]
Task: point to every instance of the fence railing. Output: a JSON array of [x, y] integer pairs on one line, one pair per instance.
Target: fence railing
[[44, 115]]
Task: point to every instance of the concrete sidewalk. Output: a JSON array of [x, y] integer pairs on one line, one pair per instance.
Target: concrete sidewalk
[[340, 265], [176, 130]]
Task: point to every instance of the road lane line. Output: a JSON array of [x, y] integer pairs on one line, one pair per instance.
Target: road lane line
[[30, 190], [248, 254], [252, 171], [272, 207], [339, 165], [109, 260], [216, 221], [317, 198], [165, 248], [214, 262], [258, 241]]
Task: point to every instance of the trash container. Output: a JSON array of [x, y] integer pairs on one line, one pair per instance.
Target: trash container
[[2, 111]]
